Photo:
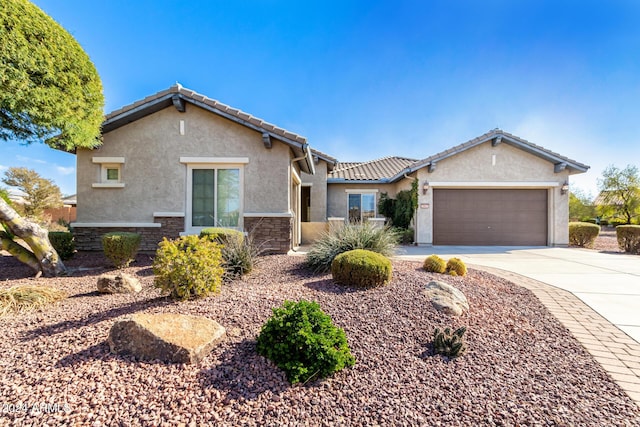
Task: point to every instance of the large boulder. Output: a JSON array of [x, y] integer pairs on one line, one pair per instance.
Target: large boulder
[[446, 298], [174, 338], [120, 283]]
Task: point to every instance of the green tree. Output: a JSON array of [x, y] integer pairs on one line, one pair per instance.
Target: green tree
[[50, 92], [40, 193], [49, 88], [620, 192], [580, 206]]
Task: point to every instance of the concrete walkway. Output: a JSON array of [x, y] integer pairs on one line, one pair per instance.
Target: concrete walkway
[[595, 295]]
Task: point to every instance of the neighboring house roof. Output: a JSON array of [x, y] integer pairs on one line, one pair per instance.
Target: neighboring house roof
[[178, 96], [69, 200], [391, 169], [608, 198], [374, 170]]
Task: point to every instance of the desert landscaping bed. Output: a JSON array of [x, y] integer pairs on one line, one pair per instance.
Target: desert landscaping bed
[[522, 367]]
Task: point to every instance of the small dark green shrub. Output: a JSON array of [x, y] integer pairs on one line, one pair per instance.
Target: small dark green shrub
[[63, 243], [435, 264], [450, 344], [303, 341], [583, 234], [188, 267], [405, 235], [629, 238], [222, 235], [121, 247], [362, 268], [456, 267], [382, 240]]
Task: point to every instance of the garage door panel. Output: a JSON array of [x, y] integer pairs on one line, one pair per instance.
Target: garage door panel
[[490, 217]]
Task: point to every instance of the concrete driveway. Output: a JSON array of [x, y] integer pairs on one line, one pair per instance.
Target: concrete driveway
[[608, 283]]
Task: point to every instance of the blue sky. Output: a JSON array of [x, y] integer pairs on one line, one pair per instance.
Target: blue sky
[[367, 79]]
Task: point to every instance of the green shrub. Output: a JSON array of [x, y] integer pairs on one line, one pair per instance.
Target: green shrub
[[303, 341], [450, 344], [629, 238], [63, 243], [121, 247], [222, 235], [362, 268], [456, 267], [405, 235], [583, 234], [382, 240], [435, 264], [239, 257], [188, 267]]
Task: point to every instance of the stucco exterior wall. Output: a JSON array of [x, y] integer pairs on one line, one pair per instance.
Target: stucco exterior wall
[[155, 179], [502, 166], [318, 191], [337, 195]]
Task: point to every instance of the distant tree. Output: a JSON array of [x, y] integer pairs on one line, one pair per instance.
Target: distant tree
[[620, 192], [49, 91], [4, 194], [40, 193], [580, 205], [49, 88]]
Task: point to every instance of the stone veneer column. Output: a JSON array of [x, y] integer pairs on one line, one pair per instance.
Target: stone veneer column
[[273, 234]]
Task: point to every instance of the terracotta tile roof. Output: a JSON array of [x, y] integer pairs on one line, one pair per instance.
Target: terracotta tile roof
[[506, 138], [374, 170], [197, 98]]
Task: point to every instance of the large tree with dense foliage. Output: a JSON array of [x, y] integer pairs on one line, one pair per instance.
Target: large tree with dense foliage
[[580, 206], [50, 92], [620, 192], [49, 88], [39, 193]]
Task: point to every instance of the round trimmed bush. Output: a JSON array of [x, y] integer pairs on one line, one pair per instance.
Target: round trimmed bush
[[583, 234], [629, 238], [434, 264], [222, 235], [362, 268], [121, 247], [303, 341], [63, 243], [456, 267], [188, 267]]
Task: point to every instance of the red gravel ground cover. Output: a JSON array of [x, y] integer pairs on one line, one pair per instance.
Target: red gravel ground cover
[[522, 368]]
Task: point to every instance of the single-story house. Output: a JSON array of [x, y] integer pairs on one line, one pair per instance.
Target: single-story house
[[177, 161]]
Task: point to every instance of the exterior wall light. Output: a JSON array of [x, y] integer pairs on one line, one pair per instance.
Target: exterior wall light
[[425, 188], [565, 188]]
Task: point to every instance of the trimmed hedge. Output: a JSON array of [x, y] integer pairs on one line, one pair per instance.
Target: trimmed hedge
[[63, 243], [121, 247], [583, 234], [629, 238], [222, 235], [361, 268]]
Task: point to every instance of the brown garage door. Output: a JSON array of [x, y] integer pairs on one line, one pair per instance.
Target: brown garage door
[[490, 217]]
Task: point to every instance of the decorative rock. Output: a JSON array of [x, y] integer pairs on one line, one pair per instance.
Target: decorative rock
[[174, 338], [120, 283], [447, 298]]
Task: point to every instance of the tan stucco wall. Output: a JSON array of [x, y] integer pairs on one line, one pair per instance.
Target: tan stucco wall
[[337, 195], [318, 185], [154, 177], [514, 168]]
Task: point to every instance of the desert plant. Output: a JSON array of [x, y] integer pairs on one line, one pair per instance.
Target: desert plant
[[456, 267], [629, 238], [121, 247], [240, 256], [450, 344], [188, 267], [303, 341], [382, 240], [222, 235], [583, 234], [434, 264], [63, 243], [25, 298], [362, 268]]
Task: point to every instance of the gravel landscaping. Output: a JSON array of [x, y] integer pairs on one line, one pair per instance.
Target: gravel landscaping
[[522, 367]]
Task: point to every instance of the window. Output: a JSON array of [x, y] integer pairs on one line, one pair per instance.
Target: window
[[110, 172], [361, 206], [215, 197]]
